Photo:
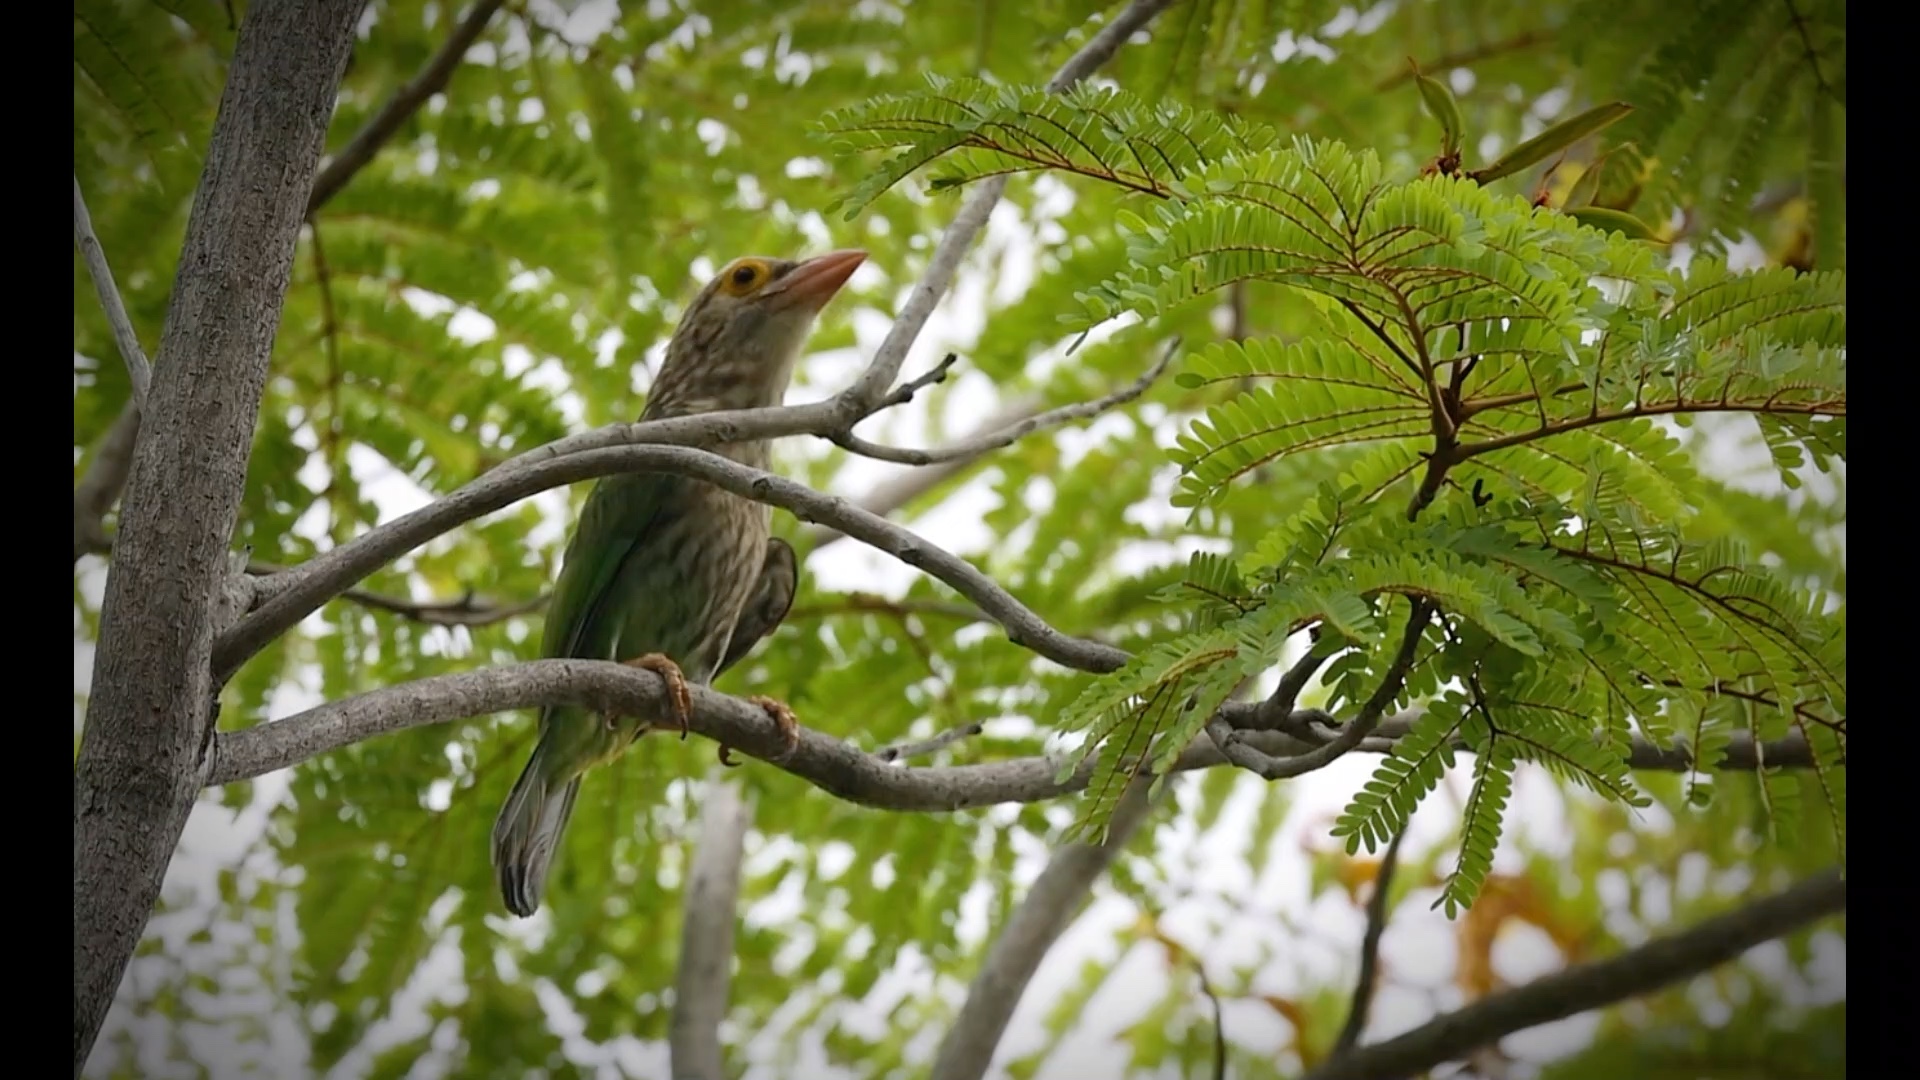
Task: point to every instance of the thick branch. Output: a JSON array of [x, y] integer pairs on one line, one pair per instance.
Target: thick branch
[[834, 766], [106, 474], [1017, 950], [1591, 986], [386, 123], [969, 448], [148, 721], [138, 371], [331, 573], [708, 913]]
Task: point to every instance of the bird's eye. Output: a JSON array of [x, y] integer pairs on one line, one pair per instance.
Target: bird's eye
[[746, 276]]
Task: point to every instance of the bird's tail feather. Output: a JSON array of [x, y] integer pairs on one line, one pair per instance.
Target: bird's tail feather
[[527, 834]]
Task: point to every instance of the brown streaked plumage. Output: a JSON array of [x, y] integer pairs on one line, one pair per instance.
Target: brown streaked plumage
[[667, 572]]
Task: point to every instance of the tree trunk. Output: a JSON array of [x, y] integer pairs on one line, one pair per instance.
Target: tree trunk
[[148, 720]]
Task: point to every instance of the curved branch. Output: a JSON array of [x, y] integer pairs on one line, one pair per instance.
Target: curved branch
[[1591, 986], [328, 575], [832, 765], [1019, 947], [1231, 742]]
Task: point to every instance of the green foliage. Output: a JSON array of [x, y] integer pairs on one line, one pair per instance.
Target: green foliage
[[1399, 386], [1504, 340]]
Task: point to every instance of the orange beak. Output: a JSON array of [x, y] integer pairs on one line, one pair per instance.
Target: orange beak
[[814, 282]]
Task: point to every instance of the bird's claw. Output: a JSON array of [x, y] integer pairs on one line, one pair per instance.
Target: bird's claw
[[783, 717], [679, 697]]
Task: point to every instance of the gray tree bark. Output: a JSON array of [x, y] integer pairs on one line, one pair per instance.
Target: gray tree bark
[[148, 720]]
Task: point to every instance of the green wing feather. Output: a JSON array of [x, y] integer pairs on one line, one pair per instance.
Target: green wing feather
[[617, 517]]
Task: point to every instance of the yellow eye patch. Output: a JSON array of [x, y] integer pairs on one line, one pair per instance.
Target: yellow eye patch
[[745, 276]]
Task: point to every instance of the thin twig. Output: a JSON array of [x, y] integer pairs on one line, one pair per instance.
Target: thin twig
[[905, 751], [1813, 54], [466, 611], [386, 123], [1233, 743], [1659, 963], [864, 603], [871, 388], [1279, 704], [887, 497], [139, 373], [1363, 987], [980, 444], [1526, 39], [934, 376], [1219, 1021]]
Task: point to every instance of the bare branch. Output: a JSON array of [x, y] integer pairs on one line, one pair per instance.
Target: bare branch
[[858, 603], [101, 484], [709, 911], [981, 444], [1231, 742], [834, 766], [885, 498], [138, 371], [1018, 948], [904, 751], [872, 386], [934, 376], [1279, 704], [386, 123], [331, 573], [1370, 948], [1591, 986], [465, 611], [149, 723]]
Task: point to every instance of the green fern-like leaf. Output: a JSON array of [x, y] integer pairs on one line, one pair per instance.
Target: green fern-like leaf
[[1379, 811], [1480, 824]]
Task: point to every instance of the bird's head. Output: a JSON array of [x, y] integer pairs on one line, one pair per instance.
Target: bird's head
[[736, 345]]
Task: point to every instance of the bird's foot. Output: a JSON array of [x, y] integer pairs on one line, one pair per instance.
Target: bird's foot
[[679, 697], [783, 717]]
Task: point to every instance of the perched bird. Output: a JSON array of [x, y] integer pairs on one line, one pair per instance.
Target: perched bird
[[666, 572]]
